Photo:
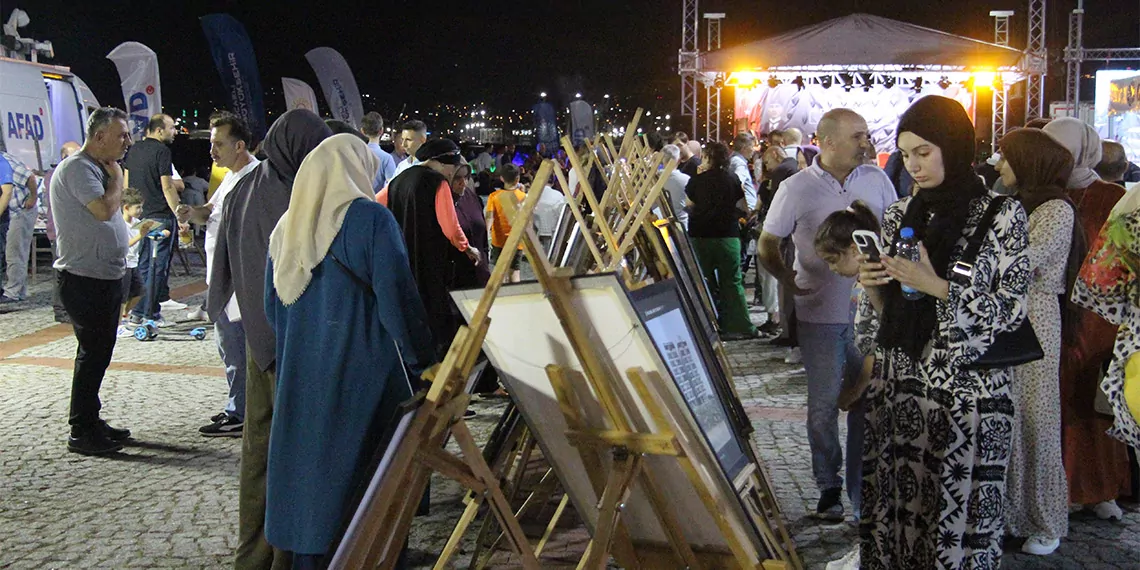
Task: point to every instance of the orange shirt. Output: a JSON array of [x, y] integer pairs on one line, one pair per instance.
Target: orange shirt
[[500, 224]]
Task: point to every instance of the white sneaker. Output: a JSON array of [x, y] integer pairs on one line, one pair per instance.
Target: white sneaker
[[172, 305], [197, 315], [1040, 545], [848, 562], [794, 356], [1108, 510], [162, 323], [125, 331]]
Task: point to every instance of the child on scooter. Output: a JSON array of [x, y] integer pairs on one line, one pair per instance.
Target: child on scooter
[[132, 281]]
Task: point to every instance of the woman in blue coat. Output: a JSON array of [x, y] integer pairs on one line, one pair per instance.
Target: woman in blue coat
[[349, 322]]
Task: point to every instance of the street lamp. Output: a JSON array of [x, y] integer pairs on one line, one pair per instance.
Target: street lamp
[[543, 94], [606, 96], [577, 95]]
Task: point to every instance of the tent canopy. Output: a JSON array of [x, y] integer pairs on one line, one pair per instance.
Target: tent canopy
[[863, 41]]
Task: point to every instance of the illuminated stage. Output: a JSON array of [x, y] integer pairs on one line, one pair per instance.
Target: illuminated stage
[[873, 65]]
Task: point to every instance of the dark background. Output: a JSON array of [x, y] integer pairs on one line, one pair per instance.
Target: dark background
[[503, 53]]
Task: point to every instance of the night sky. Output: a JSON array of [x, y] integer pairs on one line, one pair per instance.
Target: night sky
[[504, 53]]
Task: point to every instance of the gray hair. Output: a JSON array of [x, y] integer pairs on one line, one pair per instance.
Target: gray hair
[[793, 137], [672, 152], [102, 117]]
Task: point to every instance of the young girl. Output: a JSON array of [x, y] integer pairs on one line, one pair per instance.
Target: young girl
[[833, 241], [836, 247]]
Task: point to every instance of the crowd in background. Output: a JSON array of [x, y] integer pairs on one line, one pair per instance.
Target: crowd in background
[[319, 223]]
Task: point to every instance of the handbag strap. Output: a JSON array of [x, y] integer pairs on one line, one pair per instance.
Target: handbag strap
[[366, 285], [964, 267]]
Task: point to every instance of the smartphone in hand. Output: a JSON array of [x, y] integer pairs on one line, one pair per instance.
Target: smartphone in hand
[[868, 244]]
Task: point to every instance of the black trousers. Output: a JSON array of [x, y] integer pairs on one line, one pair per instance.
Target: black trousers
[[56, 302], [93, 305]]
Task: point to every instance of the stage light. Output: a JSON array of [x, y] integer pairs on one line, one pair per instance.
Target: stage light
[[825, 81], [985, 79], [773, 82], [944, 83], [918, 84], [742, 79], [798, 82]]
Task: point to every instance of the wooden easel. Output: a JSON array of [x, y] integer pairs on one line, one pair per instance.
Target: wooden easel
[[616, 244], [627, 442]]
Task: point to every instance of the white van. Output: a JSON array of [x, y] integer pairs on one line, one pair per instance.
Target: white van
[[41, 107]]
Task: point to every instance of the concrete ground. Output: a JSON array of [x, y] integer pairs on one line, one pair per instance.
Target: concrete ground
[[169, 499]]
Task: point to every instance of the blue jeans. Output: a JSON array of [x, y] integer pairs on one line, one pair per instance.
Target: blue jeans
[[831, 359], [231, 346], [148, 308]]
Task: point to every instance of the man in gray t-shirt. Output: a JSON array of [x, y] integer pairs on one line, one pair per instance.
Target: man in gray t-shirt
[[86, 194], [88, 246]]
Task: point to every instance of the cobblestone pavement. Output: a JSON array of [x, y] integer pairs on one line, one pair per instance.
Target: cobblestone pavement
[[169, 500]]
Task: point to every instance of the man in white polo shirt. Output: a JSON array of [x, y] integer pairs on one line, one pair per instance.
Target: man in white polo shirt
[[230, 141], [836, 179]]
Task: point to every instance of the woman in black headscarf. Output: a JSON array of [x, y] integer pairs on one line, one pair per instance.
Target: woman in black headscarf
[[938, 434], [250, 213], [424, 206]]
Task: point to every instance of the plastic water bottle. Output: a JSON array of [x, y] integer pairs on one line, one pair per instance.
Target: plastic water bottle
[[907, 248]]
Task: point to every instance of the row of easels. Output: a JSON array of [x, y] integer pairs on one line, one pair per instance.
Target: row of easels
[[615, 450]]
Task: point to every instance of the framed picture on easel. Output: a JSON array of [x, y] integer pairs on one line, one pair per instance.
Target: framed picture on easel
[[687, 272], [696, 371], [526, 338]]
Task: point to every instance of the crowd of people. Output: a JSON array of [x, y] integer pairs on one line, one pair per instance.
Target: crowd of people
[[946, 454]]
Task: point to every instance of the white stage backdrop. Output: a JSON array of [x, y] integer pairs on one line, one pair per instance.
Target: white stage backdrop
[[762, 109]]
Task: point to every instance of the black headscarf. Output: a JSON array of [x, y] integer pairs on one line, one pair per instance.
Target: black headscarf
[[938, 216], [249, 214]]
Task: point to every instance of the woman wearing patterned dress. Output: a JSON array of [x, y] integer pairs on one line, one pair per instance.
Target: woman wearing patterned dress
[[1109, 285], [937, 433], [1037, 168]]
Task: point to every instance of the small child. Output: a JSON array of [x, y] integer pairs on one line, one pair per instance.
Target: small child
[[498, 223], [132, 281], [836, 247], [833, 241]]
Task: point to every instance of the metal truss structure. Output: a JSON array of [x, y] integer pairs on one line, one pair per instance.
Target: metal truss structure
[[999, 118], [712, 88], [688, 62], [1036, 62], [1075, 54]]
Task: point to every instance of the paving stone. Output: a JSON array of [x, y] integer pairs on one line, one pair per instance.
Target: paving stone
[[170, 499]]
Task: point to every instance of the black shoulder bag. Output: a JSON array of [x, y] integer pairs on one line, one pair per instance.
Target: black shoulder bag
[[1010, 348]]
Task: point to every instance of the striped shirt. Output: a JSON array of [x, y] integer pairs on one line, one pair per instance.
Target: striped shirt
[[20, 176]]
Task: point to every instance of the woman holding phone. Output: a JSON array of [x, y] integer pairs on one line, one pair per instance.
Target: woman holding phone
[[937, 431]]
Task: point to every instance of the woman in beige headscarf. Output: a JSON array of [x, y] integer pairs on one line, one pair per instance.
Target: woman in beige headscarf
[[1096, 466], [348, 319]]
